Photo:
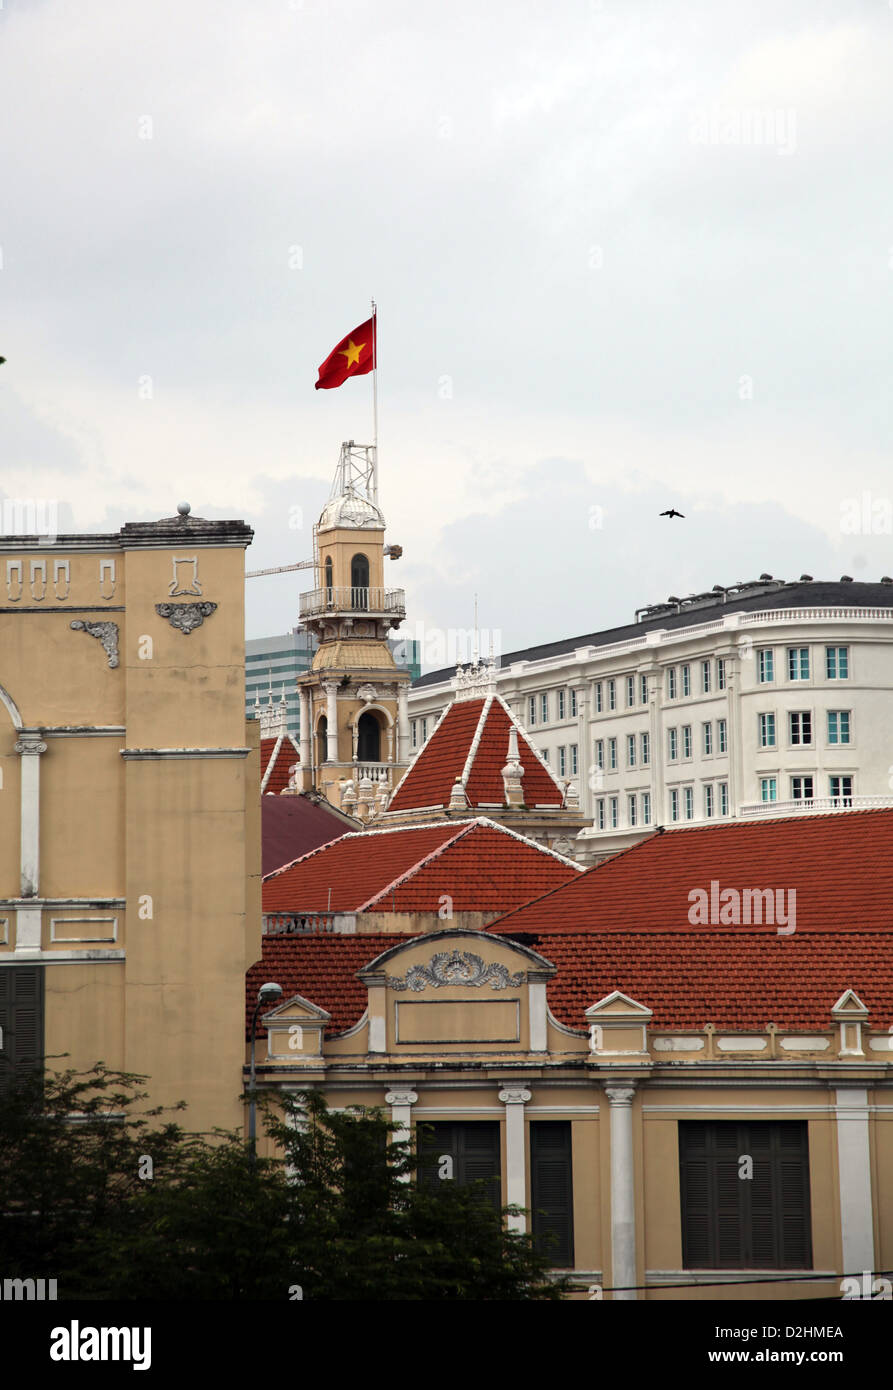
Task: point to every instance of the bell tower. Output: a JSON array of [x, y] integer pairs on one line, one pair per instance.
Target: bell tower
[[354, 711]]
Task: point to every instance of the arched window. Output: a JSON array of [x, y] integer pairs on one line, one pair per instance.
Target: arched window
[[359, 582], [322, 731], [368, 738], [328, 579]]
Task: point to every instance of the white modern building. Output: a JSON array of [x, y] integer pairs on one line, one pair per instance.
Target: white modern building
[[761, 699]]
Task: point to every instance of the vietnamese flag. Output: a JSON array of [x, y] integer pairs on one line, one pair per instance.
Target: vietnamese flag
[[354, 356]]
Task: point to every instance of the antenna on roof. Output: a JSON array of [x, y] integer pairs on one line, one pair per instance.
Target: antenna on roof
[[476, 651]]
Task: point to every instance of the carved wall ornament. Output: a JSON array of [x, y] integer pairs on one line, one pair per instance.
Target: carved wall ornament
[[185, 616], [13, 580], [107, 633], [62, 578], [367, 693], [456, 968], [38, 580], [107, 578], [190, 581], [27, 745]]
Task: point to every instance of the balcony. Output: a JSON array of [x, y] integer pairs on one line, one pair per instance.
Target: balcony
[[813, 806], [336, 601]]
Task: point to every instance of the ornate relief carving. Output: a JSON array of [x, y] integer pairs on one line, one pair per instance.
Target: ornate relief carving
[[38, 580], [107, 634], [406, 1097], [191, 582], [62, 578], [29, 745], [514, 1095], [13, 580], [367, 693], [456, 968], [185, 616]]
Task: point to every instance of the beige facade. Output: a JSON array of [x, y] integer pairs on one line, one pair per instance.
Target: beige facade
[[130, 809], [457, 1029]]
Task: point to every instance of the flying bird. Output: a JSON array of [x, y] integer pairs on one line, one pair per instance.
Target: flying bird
[[673, 512]]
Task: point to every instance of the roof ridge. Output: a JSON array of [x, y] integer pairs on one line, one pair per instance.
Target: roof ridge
[[476, 740], [463, 829]]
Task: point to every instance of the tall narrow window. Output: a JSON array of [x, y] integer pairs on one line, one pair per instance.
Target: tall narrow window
[[573, 704], [766, 664], [630, 750], [800, 727], [631, 809], [837, 663], [686, 740], [767, 730], [562, 762], [643, 689], [838, 726], [646, 749], [686, 680], [561, 703], [705, 677], [708, 801], [21, 1021], [574, 759], [329, 594], [721, 735], [321, 740], [674, 804], [612, 754], [707, 734], [599, 697], [646, 808], [612, 694], [630, 691], [798, 663], [768, 789], [671, 683], [672, 742], [359, 582], [544, 707], [368, 738], [689, 803], [551, 1191], [723, 798], [531, 710], [720, 673]]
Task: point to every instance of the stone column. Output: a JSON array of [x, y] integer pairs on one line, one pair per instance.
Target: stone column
[[401, 1102], [331, 689], [854, 1168], [28, 919], [402, 723], [623, 1196], [514, 1099], [304, 698]]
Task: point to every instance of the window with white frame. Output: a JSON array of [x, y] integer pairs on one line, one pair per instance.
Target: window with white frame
[[705, 677], [672, 744], [766, 664], [837, 663], [599, 700], [800, 727], [646, 808], [573, 704], [424, 729], [600, 813], [671, 682], [643, 689], [561, 703], [612, 694], [531, 710], [544, 707], [708, 801], [798, 663], [801, 789], [612, 754], [723, 798], [707, 736], [631, 809], [600, 753], [562, 761], [841, 789], [686, 740], [689, 803], [768, 789], [722, 736], [674, 804], [720, 673], [614, 805], [545, 755], [767, 730], [630, 750], [573, 759], [838, 726], [646, 749], [630, 691], [414, 733], [686, 680]]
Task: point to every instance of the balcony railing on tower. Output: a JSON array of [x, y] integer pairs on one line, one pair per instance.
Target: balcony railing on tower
[[347, 599]]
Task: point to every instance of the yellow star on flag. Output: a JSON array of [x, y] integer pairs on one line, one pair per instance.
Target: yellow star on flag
[[352, 353]]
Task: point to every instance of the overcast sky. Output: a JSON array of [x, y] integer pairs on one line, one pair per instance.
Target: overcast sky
[[627, 256]]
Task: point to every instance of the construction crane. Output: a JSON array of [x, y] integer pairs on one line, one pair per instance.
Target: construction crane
[[393, 552]]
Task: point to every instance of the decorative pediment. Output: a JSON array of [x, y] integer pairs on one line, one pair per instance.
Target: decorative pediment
[[295, 1030], [619, 1006], [456, 968], [849, 1005]]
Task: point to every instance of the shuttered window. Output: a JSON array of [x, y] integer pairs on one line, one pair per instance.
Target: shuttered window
[[21, 1019], [733, 1221], [551, 1191], [473, 1149]]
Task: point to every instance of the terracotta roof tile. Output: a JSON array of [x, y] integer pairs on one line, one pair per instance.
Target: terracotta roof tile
[[443, 759], [277, 755], [482, 866]]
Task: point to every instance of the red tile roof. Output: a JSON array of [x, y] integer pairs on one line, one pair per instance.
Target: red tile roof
[[294, 825], [735, 982], [277, 755], [482, 866], [840, 867], [321, 968], [444, 759]]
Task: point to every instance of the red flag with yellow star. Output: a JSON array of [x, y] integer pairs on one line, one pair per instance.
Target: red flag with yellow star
[[354, 356]]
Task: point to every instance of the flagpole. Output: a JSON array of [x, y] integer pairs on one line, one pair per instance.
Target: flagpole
[[375, 401]]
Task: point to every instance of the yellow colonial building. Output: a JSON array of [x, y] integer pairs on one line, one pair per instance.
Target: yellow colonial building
[[130, 807]]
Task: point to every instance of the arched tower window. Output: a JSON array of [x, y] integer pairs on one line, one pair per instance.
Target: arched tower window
[[359, 582], [368, 738], [322, 730], [328, 579]]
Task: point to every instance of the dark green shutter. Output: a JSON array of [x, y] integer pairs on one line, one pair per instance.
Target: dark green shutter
[[474, 1149], [729, 1222], [21, 1018], [551, 1190]]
